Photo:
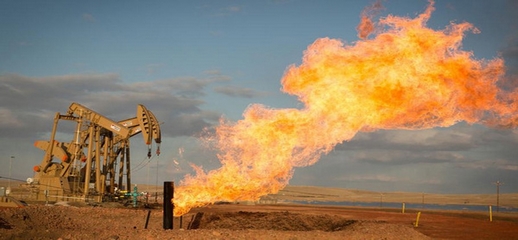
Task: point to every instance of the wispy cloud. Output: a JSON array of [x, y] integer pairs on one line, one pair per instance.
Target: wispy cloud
[[380, 177], [215, 75], [228, 11], [401, 157], [24, 43], [233, 9], [235, 91], [281, 1], [387, 179], [489, 164], [89, 17], [216, 33], [9, 119], [152, 68], [459, 138]]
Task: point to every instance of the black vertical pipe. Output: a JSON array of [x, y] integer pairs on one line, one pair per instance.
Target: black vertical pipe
[[168, 204], [147, 218]]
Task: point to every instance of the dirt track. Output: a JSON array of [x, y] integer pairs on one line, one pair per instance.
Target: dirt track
[[235, 221]]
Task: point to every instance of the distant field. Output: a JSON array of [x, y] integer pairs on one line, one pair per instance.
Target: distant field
[[312, 193]]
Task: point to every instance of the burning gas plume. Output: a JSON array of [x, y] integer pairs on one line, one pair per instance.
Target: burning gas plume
[[405, 76], [366, 26]]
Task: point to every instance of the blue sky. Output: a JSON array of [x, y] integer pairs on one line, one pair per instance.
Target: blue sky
[[191, 62]]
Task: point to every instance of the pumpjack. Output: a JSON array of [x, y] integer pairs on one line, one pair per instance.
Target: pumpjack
[[85, 167]]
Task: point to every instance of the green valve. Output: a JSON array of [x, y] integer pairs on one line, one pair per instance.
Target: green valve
[[134, 194]]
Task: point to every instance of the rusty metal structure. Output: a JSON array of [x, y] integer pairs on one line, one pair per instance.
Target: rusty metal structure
[[93, 164]]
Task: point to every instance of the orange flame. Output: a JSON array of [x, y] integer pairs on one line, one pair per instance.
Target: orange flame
[[406, 77], [366, 26]]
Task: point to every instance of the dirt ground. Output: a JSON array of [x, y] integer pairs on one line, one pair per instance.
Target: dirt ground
[[240, 221]]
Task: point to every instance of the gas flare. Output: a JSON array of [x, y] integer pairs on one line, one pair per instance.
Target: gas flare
[[366, 26], [406, 76]]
